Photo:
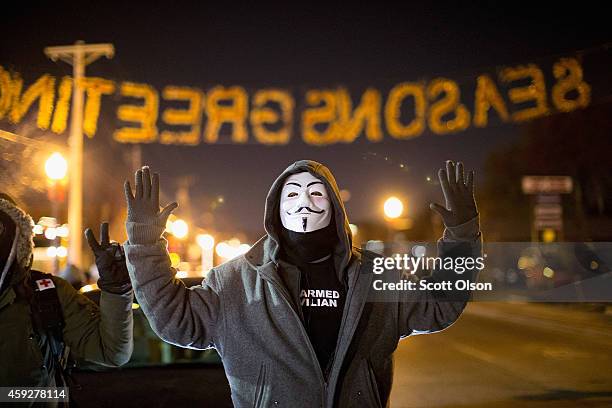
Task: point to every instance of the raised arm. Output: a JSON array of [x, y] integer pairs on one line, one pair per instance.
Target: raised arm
[[101, 334], [181, 316], [427, 311]]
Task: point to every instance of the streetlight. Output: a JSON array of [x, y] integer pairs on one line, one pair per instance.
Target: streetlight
[[179, 228], [206, 241], [56, 167], [231, 249], [207, 244], [223, 250], [393, 207], [394, 211]]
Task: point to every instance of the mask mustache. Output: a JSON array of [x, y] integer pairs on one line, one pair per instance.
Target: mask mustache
[[307, 208]]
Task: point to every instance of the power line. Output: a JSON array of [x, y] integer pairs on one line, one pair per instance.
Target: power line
[[26, 141]]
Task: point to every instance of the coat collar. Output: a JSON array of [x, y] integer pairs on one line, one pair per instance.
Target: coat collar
[[260, 259], [263, 250], [256, 256]]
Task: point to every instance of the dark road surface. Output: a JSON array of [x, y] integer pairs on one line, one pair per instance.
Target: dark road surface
[[496, 355], [508, 355]]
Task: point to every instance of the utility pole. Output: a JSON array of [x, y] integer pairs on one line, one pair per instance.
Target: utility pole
[[79, 56], [136, 157]]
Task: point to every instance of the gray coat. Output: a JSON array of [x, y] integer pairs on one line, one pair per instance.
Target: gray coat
[[247, 309]]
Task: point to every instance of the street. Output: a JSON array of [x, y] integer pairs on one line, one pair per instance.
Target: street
[[502, 355], [496, 355], [194, 199]]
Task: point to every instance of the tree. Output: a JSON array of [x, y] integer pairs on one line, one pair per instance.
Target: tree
[[576, 144]]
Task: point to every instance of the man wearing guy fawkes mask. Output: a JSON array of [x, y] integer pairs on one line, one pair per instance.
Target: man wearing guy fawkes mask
[[308, 239], [291, 319]]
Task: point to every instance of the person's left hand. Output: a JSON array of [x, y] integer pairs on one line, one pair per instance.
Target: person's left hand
[[111, 262], [458, 193]]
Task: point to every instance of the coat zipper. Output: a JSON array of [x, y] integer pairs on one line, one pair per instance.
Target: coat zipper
[[349, 296], [303, 330]]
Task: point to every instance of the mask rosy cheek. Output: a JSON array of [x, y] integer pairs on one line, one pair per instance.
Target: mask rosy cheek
[[321, 203]]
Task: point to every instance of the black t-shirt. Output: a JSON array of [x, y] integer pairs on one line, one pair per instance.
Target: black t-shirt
[[322, 298]]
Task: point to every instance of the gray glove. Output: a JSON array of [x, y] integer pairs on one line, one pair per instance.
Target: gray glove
[[143, 206], [458, 194], [110, 260]]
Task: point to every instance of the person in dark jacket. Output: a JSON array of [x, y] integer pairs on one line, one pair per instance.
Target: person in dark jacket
[[27, 346], [292, 319]]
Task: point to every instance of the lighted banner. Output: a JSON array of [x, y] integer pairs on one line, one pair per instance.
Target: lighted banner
[[185, 115]]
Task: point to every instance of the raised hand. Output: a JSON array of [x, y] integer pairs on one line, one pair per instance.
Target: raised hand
[[110, 260], [458, 194], [143, 205]]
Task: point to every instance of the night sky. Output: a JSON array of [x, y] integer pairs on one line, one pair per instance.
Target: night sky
[[318, 46]]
